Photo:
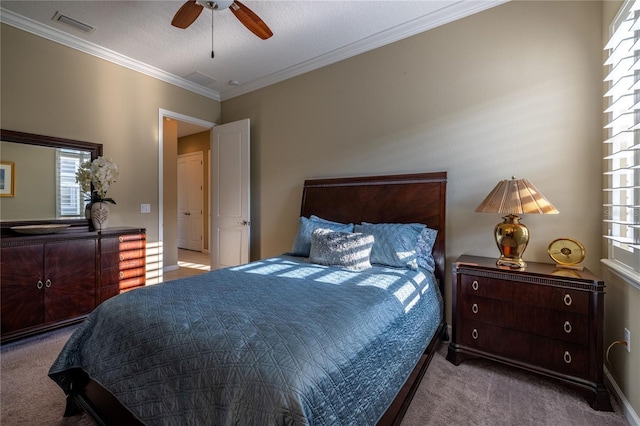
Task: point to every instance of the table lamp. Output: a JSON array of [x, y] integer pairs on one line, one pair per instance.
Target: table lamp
[[514, 197]]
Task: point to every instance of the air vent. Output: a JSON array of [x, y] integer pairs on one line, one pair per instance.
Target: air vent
[[201, 79], [80, 26]]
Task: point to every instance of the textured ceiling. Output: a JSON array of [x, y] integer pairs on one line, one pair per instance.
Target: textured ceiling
[[307, 35]]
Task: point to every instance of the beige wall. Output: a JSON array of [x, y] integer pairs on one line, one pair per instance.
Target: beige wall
[[622, 301], [514, 90], [34, 196], [53, 90]]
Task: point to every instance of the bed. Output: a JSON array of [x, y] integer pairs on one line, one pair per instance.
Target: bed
[[297, 339]]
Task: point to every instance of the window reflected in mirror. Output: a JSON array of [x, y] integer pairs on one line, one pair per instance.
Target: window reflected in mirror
[[70, 200], [45, 182]]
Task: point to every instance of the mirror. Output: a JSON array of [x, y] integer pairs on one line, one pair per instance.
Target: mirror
[[31, 160]]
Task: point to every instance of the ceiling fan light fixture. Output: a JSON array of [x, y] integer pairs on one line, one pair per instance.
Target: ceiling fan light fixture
[[189, 12], [216, 5]]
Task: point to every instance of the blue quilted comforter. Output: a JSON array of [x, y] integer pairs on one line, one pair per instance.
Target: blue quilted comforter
[[275, 342]]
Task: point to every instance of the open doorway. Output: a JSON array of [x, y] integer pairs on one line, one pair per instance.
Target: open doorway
[[174, 130]]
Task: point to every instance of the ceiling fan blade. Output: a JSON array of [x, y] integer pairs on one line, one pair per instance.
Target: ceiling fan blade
[[187, 14], [250, 20]]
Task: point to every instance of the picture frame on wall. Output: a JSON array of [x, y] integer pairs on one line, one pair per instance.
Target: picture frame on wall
[[7, 178]]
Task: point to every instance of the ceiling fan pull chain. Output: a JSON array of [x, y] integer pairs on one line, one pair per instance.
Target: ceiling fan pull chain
[[212, 54]]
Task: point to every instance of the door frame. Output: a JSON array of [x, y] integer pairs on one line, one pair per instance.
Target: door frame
[[162, 114]]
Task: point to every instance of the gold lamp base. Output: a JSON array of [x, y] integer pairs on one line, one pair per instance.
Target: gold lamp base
[[512, 238]]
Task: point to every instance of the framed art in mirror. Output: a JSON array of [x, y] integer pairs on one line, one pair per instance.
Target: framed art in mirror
[[7, 178]]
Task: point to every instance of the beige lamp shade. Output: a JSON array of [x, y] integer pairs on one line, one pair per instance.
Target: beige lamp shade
[[514, 197]]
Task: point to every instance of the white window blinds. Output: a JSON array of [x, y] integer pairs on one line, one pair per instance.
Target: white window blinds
[[70, 200], [622, 147]]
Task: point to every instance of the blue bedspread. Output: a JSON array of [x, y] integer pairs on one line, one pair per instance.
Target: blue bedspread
[[279, 341]]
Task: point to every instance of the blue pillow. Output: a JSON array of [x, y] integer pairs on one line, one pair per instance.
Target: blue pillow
[[424, 249], [302, 243], [395, 243], [341, 249]]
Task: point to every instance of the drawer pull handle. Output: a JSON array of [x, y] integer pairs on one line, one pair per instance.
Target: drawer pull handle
[[121, 257], [567, 357], [567, 327], [39, 285], [474, 334], [474, 285], [120, 239], [47, 283], [474, 308], [567, 300], [121, 275]]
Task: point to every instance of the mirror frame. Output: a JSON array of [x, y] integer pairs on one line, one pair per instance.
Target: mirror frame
[[54, 142]]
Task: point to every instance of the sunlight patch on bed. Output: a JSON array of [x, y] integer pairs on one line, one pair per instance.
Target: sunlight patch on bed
[[411, 304], [272, 269], [302, 272], [336, 277], [381, 281], [413, 283], [273, 266]]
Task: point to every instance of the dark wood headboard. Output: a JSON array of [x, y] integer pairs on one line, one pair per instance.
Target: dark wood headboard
[[410, 198]]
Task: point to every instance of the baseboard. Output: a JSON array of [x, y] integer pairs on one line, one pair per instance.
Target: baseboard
[[170, 268], [627, 410]]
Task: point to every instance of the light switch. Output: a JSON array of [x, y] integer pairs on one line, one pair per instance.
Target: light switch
[[145, 208]]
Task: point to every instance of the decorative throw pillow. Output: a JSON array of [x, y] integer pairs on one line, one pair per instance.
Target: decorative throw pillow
[[342, 249], [302, 242], [424, 249], [395, 243]]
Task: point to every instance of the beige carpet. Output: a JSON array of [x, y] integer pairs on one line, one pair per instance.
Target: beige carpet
[[481, 392], [27, 395], [474, 393]]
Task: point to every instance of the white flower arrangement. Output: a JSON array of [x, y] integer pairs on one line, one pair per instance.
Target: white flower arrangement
[[101, 172]]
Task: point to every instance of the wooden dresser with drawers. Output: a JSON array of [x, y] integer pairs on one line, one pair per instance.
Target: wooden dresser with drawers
[[542, 318], [52, 280]]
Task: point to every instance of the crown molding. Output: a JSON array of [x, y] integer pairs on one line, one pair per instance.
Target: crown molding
[[456, 10], [18, 21]]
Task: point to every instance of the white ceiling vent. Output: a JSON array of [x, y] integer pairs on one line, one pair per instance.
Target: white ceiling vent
[[81, 26], [200, 78]]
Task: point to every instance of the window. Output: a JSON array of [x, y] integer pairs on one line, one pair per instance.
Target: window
[[622, 146], [70, 201]]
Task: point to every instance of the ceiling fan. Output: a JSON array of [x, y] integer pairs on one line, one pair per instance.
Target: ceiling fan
[[190, 11]]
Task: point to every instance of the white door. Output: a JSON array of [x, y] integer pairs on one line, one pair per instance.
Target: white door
[[190, 196], [230, 220]]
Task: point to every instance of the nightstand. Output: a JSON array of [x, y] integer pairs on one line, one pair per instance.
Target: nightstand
[[543, 319]]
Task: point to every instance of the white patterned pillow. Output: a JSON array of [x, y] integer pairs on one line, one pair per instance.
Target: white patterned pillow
[[302, 242], [342, 249]]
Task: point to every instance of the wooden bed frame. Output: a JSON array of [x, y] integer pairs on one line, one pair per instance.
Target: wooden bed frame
[[410, 198]]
